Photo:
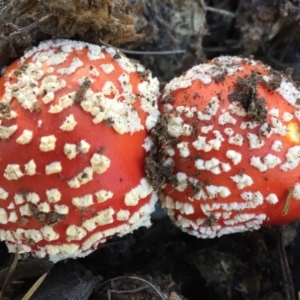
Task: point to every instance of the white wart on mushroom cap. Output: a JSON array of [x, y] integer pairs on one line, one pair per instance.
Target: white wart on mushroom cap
[[233, 143], [74, 122]]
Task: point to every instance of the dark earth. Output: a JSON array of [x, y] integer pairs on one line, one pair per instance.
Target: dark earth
[[169, 37]]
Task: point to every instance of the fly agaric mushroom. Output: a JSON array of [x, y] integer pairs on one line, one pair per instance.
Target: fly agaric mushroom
[[230, 148], [74, 121]]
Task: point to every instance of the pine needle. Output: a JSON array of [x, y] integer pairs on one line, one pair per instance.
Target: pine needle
[[287, 202], [34, 287]]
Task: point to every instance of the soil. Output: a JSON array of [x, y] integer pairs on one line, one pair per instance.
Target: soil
[[161, 262]]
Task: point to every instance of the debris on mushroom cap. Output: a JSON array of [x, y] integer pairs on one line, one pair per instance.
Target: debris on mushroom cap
[[74, 122], [230, 148]]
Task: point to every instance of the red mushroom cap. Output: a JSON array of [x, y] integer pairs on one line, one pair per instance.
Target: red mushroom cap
[[74, 122], [233, 128]]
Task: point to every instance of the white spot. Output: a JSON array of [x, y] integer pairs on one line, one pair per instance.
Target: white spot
[[83, 202], [81, 178], [204, 73], [210, 110], [277, 146], [25, 210], [289, 91], [6, 132], [53, 195], [274, 112], [271, 161], [62, 251], [237, 109], [123, 215], [44, 207], [296, 191], [32, 235], [140, 191], [255, 141], [278, 127], [211, 165], [64, 102], [48, 97], [242, 180], [124, 81], [226, 118], [272, 198], [61, 209], [176, 127], [70, 150], [201, 144], [286, 117], [13, 217], [51, 83], [103, 195], [200, 195], [33, 198], [253, 199], [103, 217], [109, 88], [168, 203], [297, 114], [49, 234], [237, 140], [69, 124], [184, 208], [25, 137], [183, 149], [56, 58], [226, 215], [229, 131], [182, 183], [75, 64], [13, 172], [148, 143], [255, 161], [206, 129], [47, 143], [54, 167], [83, 147], [122, 116], [76, 233], [107, 68], [100, 163], [19, 199], [292, 159], [92, 241], [11, 205], [95, 52], [30, 168], [225, 167], [3, 216], [249, 125], [235, 156], [126, 64], [3, 194]]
